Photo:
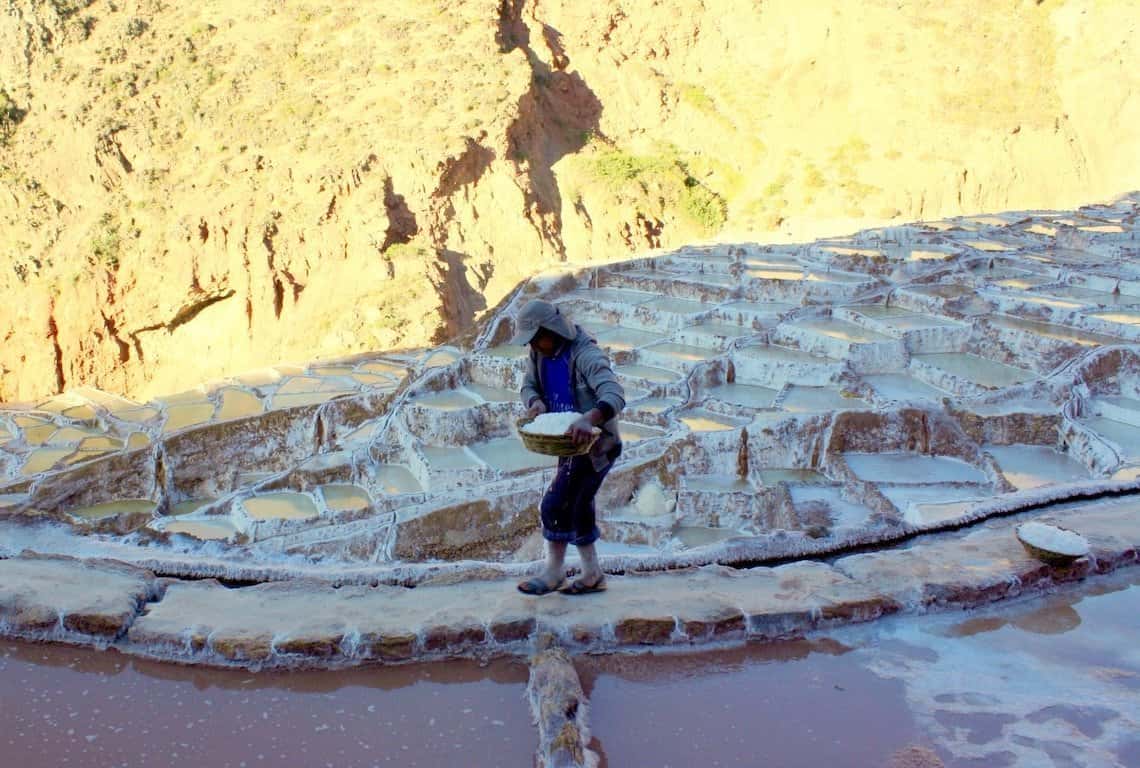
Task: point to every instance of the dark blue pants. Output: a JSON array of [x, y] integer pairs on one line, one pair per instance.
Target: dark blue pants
[[567, 507]]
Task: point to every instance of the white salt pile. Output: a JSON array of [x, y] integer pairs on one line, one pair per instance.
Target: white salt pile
[[1053, 539], [552, 423]]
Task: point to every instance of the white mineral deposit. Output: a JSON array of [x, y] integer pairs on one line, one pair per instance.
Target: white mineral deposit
[[552, 423], [1053, 539]]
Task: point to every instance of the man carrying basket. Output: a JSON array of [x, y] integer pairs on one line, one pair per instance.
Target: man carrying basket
[[568, 371]]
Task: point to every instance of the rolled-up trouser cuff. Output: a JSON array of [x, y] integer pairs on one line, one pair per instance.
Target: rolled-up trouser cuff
[[571, 537]]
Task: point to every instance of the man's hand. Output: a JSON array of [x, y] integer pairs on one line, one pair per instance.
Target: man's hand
[[582, 430], [536, 408]]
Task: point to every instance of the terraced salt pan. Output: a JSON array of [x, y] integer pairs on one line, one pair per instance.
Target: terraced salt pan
[[1013, 299], [713, 331], [506, 454], [237, 404], [634, 433], [299, 400], [678, 356], [493, 394], [843, 514], [698, 420], [113, 509], [1125, 436], [912, 468], [280, 506], [344, 497], [1121, 317], [654, 405], [1034, 466], [395, 479], [619, 338], [208, 529], [1087, 296], [744, 395], [1022, 283], [791, 476], [843, 331], [771, 352], [1117, 408], [918, 322], [766, 314], [695, 536], [650, 373], [837, 277], [446, 400], [189, 506], [612, 296], [450, 458], [768, 273], [978, 370], [43, 459], [929, 504], [1065, 333], [901, 387], [799, 399], [506, 351], [717, 483], [933, 512], [671, 305]]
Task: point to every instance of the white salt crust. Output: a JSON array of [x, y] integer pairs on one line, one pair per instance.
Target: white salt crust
[[1053, 539], [552, 423]]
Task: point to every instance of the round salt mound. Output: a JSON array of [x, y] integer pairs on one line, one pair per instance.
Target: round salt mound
[[552, 423], [1053, 540]]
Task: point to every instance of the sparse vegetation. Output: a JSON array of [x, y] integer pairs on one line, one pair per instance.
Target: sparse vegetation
[[10, 116], [668, 178], [697, 97], [703, 206], [106, 243]]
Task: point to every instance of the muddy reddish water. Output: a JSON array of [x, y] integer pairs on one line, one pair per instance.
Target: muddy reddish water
[[793, 704], [1041, 683], [1049, 682], [67, 707]]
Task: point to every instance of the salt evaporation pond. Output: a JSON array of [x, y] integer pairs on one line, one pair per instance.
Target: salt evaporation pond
[[1052, 681], [63, 706]]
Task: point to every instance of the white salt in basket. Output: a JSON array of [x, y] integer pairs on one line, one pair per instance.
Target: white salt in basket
[[547, 435]]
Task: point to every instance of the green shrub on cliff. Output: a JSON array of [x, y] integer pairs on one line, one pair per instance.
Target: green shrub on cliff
[[663, 177], [10, 115], [703, 206]]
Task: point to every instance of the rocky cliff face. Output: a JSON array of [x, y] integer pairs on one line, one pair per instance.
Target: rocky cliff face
[[194, 189]]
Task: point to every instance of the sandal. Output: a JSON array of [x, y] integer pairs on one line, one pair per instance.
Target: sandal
[[538, 586], [580, 587]]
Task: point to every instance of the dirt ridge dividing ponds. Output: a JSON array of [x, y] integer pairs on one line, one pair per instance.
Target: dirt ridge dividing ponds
[[311, 624]]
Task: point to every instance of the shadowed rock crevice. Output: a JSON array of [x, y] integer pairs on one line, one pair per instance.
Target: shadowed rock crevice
[[460, 300], [402, 226], [556, 117]]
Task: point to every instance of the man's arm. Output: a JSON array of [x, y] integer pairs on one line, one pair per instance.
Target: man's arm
[[531, 397], [600, 376]]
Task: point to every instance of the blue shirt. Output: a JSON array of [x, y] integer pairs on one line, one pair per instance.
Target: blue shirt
[[558, 390]]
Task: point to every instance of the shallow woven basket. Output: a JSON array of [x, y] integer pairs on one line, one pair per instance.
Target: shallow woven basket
[[1045, 555], [553, 445]]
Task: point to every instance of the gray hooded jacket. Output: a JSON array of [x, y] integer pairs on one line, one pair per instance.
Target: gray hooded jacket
[[593, 382]]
